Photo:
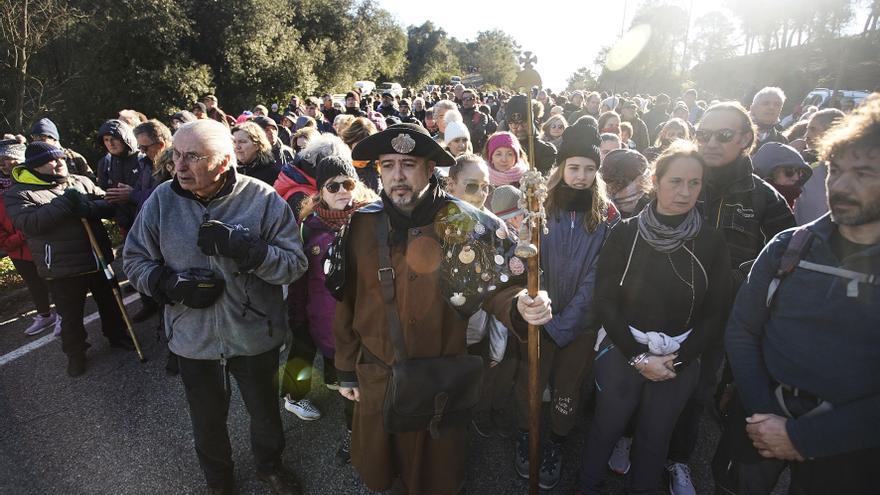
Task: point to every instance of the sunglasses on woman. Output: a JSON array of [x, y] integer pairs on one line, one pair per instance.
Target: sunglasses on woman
[[721, 135], [474, 188], [792, 171], [333, 187], [557, 126]]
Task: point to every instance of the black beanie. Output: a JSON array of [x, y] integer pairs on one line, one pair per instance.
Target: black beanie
[[579, 139], [40, 153], [333, 166]]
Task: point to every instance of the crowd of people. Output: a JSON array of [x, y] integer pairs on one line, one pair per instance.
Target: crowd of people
[[695, 257]]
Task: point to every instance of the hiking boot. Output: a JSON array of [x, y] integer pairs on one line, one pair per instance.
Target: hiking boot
[[619, 461], [147, 310], [76, 364], [504, 425], [680, 479], [521, 457], [481, 422], [551, 466], [303, 409], [343, 453], [41, 323], [56, 332], [281, 483]]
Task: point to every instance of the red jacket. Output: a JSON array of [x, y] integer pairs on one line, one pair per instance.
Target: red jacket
[[12, 241]]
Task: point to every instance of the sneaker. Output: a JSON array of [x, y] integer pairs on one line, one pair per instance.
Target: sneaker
[[56, 332], [619, 461], [521, 457], [332, 386], [41, 323], [76, 364], [551, 466], [304, 409], [343, 454], [482, 424], [680, 479]]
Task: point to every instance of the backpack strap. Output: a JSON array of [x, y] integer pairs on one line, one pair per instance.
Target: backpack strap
[[791, 257], [386, 283]]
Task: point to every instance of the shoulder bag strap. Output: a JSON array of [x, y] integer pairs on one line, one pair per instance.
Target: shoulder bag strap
[[386, 283]]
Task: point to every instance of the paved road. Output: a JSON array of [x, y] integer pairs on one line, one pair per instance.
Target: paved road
[[123, 428]]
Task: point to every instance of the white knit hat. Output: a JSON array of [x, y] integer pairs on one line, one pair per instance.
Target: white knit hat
[[455, 130]]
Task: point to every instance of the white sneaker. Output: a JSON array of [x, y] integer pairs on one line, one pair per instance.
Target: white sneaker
[[680, 479], [57, 331], [304, 409], [619, 461], [40, 323]]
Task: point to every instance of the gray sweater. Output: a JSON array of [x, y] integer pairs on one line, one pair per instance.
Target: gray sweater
[[250, 317]]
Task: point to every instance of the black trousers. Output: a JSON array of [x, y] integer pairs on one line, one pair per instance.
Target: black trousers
[[621, 391], [498, 380], [35, 285], [69, 294], [687, 429], [207, 388]]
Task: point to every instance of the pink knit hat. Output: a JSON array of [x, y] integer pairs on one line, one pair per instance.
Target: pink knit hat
[[502, 140]]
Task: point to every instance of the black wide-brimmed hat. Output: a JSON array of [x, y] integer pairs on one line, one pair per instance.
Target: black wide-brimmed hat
[[402, 139]]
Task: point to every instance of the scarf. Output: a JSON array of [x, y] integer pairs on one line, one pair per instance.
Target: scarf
[[335, 219], [570, 199], [665, 238], [627, 198], [512, 176], [423, 214], [790, 193]]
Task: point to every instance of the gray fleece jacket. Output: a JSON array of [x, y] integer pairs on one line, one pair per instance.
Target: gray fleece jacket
[[250, 317]]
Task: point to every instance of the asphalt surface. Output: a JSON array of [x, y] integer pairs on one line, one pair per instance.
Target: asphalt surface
[[124, 428]]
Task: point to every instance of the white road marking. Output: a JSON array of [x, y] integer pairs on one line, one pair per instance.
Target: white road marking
[[21, 351]]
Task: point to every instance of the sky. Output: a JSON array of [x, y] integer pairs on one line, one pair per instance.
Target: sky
[[563, 34]]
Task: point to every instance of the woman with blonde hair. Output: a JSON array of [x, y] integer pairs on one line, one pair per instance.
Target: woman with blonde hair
[[254, 153], [339, 194], [553, 128], [673, 129], [579, 217]]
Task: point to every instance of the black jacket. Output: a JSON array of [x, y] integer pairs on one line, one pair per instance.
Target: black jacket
[[746, 210], [545, 153], [263, 167], [113, 170], [55, 236], [479, 125]]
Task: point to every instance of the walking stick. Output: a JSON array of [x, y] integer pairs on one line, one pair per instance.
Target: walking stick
[[535, 192], [111, 278]]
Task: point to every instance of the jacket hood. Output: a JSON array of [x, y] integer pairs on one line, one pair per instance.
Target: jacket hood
[[22, 175], [121, 131]]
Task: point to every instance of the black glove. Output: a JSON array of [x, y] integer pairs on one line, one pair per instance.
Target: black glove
[[220, 239], [196, 287], [80, 204]]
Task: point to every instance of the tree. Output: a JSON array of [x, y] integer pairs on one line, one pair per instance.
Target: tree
[[494, 55], [582, 80], [714, 38], [27, 27], [429, 54]]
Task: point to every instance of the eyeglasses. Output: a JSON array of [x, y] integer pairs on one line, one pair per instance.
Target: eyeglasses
[[474, 188], [144, 147], [557, 126], [792, 171], [333, 187], [188, 158], [721, 135], [468, 98]]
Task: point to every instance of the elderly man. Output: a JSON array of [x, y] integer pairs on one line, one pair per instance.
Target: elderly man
[[439, 260], [765, 110], [802, 337], [217, 247]]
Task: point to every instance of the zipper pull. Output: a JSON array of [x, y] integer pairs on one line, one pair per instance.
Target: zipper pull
[[572, 216], [223, 371]]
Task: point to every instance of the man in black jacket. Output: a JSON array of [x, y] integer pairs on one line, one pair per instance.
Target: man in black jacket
[[545, 153], [47, 204], [478, 123], [119, 170]]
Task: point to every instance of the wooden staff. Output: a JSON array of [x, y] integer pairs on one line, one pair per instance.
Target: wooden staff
[[535, 192], [111, 278]]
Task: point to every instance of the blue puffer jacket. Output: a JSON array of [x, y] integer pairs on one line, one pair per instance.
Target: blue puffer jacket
[[568, 264]]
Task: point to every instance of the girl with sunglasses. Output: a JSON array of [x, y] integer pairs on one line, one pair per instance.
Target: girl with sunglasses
[[339, 194], [553, 129]]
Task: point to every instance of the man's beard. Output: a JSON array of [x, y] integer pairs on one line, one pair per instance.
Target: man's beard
[[864, 213], [407, 201]]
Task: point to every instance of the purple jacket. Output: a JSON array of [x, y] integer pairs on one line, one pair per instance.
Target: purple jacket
[[309, 299]]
